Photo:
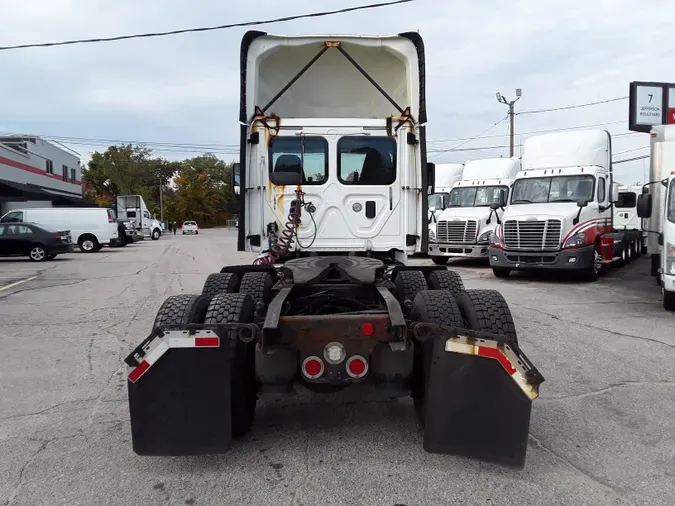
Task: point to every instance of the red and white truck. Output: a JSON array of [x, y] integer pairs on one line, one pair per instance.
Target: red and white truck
[[559, 215]]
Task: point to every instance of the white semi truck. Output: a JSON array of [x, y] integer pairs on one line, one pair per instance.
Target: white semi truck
[[447, 174], [560, 209], [626, 218], [656, 205], [133, 208], [475, 206], [333, 199]]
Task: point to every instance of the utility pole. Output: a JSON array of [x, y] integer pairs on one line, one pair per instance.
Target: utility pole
[[161, 203], [502, 100]]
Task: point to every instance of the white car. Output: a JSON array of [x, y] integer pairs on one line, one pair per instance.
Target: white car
[[190, 227]]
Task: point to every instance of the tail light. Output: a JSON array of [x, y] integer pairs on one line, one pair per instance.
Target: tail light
[[312, 367], [59, 238], [357, 366]]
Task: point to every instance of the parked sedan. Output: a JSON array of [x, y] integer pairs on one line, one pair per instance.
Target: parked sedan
[[37, 243]]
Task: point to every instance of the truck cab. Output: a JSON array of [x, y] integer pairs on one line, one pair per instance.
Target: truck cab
[[656, 205], [133, 208], [626, 216], [329, 169], [475, 206], [559, 215], [447, 174]]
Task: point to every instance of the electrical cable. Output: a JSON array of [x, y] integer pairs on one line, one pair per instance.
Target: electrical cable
[[567, 107], [472, 138], [205, 29]]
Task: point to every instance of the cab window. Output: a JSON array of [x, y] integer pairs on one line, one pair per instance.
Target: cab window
[[13, 216], [367, 161], [601, 190]]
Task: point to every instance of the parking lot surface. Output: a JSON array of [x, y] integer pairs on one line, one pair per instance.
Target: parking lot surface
[[603, 431]]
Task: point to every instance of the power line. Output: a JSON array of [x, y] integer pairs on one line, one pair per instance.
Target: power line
[[543, 131], [205, 29], [567, 107], [631, 150], [630, 159], [472, 138]]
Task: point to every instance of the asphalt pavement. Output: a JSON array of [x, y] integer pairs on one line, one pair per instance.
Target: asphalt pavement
[[602, 432]]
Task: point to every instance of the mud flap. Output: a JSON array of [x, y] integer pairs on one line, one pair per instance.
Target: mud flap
[[179, 395], [474, 406]]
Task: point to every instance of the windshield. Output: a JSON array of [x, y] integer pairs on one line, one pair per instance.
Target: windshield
[[438, 200], [671, 201], [540, 190], [477, 196]]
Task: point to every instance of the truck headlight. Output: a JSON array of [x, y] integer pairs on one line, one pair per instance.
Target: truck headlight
[[494, 239], [485, 236], [670, 259], [576, 241], [432, 234]]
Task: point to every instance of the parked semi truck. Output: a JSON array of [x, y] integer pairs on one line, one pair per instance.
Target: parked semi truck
[[626, 219], [475, 206], [656, 205], [133, 208], [447, 174], [560, 209], [334, 175]]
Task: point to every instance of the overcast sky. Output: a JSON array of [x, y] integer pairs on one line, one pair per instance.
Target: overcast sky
[[184, 88]]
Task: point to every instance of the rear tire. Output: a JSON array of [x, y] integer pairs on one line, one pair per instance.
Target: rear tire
[[231, 308], [431, 306], [258, 285], [440, 260], [501, 273], [38, 253], [181, 310], [446, 280], [408, 284], [487, 311], [220, 283], [88, 244]]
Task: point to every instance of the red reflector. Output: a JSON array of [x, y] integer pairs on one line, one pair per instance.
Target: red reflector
[[138, 371], [207, 342], [312, 367], [357, 367], [484, 351], [367, 329]]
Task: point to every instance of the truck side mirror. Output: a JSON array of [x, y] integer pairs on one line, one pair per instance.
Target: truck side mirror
[[644, 206], [614, 197], [236, 178], [495, 205], [582, 203], [431, 178]]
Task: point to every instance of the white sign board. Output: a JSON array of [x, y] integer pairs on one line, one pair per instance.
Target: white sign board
[[649, 105]]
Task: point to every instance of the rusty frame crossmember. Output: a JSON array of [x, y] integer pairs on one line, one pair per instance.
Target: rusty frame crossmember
[[277, 329]]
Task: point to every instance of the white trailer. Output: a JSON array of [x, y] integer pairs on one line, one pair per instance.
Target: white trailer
[[656, 205], [473, 211], [447, 174]]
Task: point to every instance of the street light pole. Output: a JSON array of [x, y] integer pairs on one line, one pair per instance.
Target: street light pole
[[501, 99]]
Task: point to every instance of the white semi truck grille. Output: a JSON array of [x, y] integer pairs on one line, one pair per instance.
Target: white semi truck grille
[[456, 231], [532, 235]]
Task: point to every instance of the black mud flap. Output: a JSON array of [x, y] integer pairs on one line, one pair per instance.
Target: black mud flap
[[475, 408], [180, 404]]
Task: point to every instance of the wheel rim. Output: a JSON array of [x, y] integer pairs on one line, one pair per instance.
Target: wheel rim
[[88, 244], [37, 253]]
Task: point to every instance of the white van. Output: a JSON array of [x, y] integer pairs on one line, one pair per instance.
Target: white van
[[91, 228]]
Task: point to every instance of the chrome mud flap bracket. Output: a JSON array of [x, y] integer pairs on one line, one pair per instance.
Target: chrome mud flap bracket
[[478, 392], [179, 389]]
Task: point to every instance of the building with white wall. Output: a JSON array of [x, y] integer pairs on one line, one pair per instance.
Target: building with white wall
[[37, 173]]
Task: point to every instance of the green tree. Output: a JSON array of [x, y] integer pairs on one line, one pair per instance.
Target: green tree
[[203, 191]]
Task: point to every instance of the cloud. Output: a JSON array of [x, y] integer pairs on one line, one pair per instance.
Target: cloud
[[185, 88]]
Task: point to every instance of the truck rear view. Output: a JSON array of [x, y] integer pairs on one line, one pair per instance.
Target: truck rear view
[[333, 198]]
